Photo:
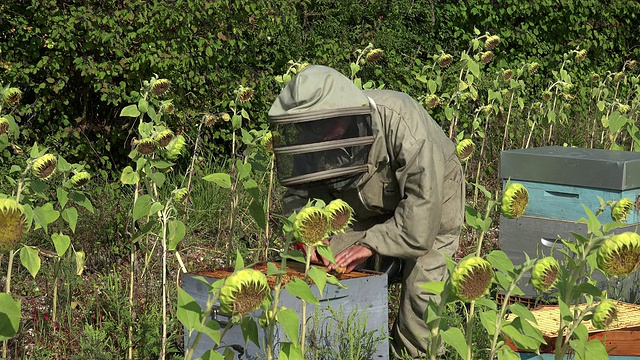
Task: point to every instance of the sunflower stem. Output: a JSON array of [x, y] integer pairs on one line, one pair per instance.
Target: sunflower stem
[[310, 250], [469, 332]]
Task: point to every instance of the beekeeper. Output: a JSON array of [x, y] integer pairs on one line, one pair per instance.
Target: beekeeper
[[382, 153]]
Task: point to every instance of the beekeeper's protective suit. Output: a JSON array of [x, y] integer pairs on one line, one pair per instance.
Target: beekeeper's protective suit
[[383, 154]]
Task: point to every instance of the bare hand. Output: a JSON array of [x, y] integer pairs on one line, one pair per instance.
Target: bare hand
[[351, 257]]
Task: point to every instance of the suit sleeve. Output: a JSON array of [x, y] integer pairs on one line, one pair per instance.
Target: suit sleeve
[[412, 230]]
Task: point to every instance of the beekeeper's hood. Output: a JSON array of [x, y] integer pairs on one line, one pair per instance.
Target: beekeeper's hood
[[322, 126]]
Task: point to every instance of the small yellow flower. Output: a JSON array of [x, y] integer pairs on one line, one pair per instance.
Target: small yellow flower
[[465, 149], [619, 255], [181, 195], [80, 179], [604, 314], [445, 60], [175, 148], [13, 224], [44, 166], [244, 94], [632, 64], [491, 42], [621, 210], [160, 86], [533, 68], [225, 117], [581, 55], [432, 101], [507, 74], [4, 125], [374, 55], [311, 226], [146, 146], [486, 56], [340, 215], [544, 274], [12, 95], [488, 109], [471, 279], [164, 137], [514, 201], [243, 292]]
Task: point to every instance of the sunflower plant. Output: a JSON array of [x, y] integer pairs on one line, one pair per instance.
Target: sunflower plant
[[40, 189], [156, 215], [476, 280]]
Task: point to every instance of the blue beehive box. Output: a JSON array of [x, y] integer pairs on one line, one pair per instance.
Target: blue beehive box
[[560, 180], [365, 296]]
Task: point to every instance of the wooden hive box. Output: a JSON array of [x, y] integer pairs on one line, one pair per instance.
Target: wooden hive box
[[560, 180], [622, 339], [365, 296]]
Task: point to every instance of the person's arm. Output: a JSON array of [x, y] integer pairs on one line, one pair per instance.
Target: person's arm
[[412, 229]]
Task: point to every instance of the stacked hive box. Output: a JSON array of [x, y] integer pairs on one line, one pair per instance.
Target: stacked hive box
[[560, 181], [365, 296]]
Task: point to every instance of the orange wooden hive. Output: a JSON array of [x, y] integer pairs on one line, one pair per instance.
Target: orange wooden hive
[[622, 338]]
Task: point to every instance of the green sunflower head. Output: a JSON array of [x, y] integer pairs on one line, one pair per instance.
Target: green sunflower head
[[245, 94], [12, 96], [595, 77], [444, 60], [621, 210], [209, 119], [486, 56], [491, 42], [160, 86], [80, 179], [432, 100], [632, 64], [13, 224], [581, 55], [619, 255], [146, 146], [181, 195], [514, 201], [175, 148], [533, 68], [374, 55], [605, 313], [270, 140], [243, 292], [471, 279], [465, 149], [618, 77], [340, 215], [311, 226], [164, 137], [544, 274], [507, 74], [4, 125], [44, 166]]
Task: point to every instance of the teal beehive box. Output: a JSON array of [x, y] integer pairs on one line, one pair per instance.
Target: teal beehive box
[[562, 179]]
